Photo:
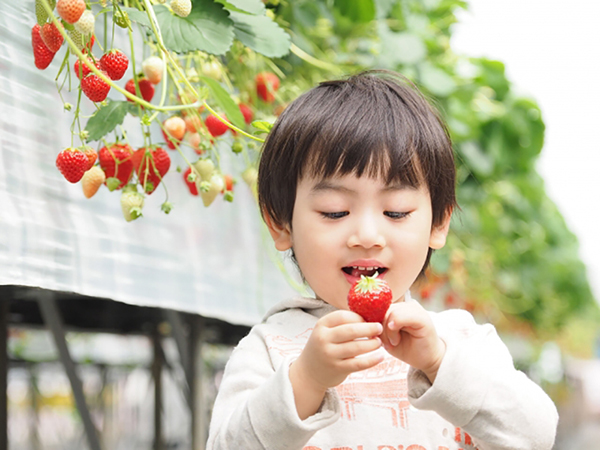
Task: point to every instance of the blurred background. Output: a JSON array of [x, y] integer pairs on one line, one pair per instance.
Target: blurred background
[[118, 332]]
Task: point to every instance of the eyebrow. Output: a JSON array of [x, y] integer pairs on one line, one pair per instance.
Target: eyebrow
[[326, 185]]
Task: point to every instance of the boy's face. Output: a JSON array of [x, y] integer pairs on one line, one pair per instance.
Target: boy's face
[[346, 226]]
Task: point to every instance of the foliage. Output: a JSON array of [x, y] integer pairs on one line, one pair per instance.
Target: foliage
[[511, 253]]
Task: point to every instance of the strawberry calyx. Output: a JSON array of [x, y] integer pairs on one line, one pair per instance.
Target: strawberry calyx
[[369, 284]]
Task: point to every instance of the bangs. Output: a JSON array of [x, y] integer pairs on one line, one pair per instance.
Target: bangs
[[363, 143]]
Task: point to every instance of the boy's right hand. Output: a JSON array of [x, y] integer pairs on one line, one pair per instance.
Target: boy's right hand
[[330, 355]]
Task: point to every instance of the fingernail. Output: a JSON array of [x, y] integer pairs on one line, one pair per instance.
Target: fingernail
[[391, 324]]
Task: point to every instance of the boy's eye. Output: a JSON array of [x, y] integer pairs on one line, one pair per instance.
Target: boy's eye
[[396, 215], [334, 215]]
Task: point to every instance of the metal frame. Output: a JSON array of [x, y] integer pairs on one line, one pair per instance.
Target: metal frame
[[49, 310], [189, 331]]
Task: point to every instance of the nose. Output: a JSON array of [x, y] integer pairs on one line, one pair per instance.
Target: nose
[[367, 232]]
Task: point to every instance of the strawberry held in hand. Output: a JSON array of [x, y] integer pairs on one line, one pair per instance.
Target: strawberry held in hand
[[370, 297]]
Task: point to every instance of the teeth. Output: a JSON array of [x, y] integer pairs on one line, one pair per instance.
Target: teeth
[[365, 268]]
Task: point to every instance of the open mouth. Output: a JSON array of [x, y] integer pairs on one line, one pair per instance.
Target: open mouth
[[357, 271]]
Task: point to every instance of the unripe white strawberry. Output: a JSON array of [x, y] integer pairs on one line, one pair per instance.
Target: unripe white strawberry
[[85, 24], [213, 69], [132, 203], [250, 176], [210, 189], [181, 7], [205, 168], [153, 69]]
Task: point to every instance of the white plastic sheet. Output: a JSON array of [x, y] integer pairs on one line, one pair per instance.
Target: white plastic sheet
[[211, 261]]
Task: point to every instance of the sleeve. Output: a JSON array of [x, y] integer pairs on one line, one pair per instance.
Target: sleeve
[[255, 406], [478, 389]]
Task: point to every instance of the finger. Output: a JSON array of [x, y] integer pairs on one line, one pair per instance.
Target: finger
[[393, 337], [357, 364], [355, 348], [340, 317], [351, 331], [407, 318]]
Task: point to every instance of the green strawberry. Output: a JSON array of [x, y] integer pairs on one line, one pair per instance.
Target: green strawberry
[[40, 12]]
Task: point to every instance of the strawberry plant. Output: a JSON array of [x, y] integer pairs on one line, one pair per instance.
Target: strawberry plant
[[187, 81]]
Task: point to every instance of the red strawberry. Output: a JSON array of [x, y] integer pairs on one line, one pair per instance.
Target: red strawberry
[[89, 45], [246, 112], [94, 87], [42, 55], [229, 182], [146, 88], [190, 184], [370, 297], [116, 162], [151, 165], [72, 163], [114, 63], [267, 84], [70, 10], [51, 36], [91, 156], [215, 126], [81, 69]]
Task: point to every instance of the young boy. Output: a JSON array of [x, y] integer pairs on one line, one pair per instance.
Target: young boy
[[357, 177]]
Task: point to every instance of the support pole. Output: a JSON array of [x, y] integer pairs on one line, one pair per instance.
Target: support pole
[[199, 419], [182, 340], [157, 366], [50, 313], [3, 373], [34, 437]]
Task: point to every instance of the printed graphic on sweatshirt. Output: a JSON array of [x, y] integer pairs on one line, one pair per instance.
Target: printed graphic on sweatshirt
[[285, 346], [462, 441], [381, 387]]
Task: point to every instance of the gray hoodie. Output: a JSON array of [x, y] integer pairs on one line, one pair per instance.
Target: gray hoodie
[[478, 399]]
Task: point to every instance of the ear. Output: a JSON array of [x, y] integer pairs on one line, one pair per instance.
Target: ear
[[437, 239], [281, 235]]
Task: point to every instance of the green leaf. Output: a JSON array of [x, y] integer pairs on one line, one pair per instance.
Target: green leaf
[[383, 7], [224, 100], [250, 6], [135, 15], [479, 162], [262, 126], [359, 11], [399, 48], [261, 34], [106, 119], [436, 80], [207, 28]]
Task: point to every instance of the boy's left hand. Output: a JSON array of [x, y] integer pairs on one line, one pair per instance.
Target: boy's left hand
[[409, 335]]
